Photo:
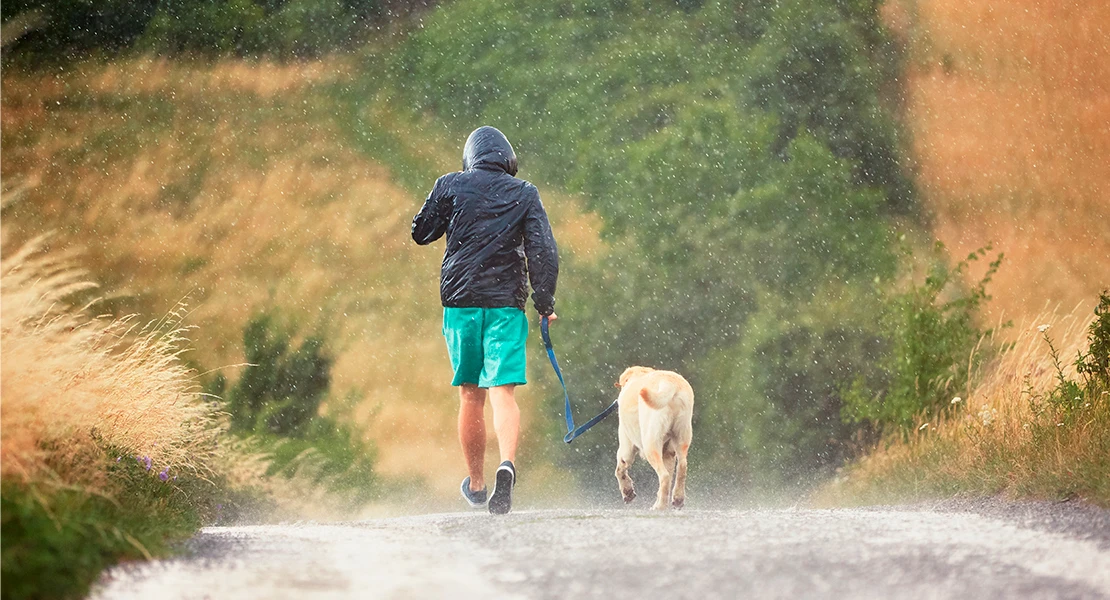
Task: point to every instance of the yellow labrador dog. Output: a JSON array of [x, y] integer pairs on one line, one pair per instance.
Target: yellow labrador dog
[[656, 409]]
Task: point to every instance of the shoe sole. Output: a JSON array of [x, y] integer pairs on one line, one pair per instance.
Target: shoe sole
[[501, 502]]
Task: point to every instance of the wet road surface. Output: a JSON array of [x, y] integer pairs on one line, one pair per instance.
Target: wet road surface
[[978, 552]]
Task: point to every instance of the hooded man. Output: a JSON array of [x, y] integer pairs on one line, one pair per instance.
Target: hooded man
[[498, 239]]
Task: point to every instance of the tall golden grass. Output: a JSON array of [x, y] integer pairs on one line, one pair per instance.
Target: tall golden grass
[[1008, 106], [1005, 437], [73, 384]]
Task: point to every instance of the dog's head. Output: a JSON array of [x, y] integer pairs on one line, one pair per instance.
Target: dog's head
[[631, 372]]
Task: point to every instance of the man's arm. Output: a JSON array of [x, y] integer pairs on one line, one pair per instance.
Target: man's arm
[[543, 257], [431, 222]]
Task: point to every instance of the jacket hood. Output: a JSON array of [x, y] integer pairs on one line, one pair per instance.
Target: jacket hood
[[489, 148]]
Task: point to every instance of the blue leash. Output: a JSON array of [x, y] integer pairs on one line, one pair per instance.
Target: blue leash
[[572, 431]]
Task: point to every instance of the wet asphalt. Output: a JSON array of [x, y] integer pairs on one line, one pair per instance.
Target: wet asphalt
[[958, 549]]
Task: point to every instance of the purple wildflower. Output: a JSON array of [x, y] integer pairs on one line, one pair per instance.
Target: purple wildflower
[[165, 474], [118, 457], [146, 462]]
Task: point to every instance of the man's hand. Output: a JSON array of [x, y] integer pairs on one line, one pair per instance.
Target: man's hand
[[551, 318]]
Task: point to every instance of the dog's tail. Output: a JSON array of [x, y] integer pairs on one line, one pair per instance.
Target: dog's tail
[[659, 393]]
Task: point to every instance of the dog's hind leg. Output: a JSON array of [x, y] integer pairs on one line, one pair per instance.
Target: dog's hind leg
[[653, 451], [669, 460], [680, 477], [626, 453]]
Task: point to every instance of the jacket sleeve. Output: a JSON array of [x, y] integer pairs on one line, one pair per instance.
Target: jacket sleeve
[[431, 222], [542, 255]]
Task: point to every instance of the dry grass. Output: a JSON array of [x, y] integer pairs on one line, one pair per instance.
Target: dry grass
[[73, 384], [238, 184], [1009, 109], [1005, 437]]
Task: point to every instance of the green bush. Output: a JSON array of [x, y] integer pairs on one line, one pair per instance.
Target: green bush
[[80, 25], [281, 391], [1094, 365], [1068, 396], [276, 405], [933, 345]]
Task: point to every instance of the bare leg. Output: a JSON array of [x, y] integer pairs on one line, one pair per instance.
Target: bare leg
[[506, 419], [472, 432]]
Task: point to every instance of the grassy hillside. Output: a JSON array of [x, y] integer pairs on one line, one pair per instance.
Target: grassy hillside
[[1008, 108], [255, 186]]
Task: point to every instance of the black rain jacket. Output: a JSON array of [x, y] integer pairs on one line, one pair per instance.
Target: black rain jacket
[[493, 222]]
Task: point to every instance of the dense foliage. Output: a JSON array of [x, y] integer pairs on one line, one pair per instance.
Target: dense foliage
[[745, 163], [241, 27], [282, 388]]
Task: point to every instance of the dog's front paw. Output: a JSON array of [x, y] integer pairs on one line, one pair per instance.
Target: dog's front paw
[[630, 495], [678, 502], [659, 506]]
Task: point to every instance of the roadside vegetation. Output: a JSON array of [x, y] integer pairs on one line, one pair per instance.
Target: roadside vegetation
[[109, 450], [1036, 426], [58, 30], [987, 89]]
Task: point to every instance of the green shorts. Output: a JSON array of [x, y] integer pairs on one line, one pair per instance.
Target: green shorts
[[486, 345]]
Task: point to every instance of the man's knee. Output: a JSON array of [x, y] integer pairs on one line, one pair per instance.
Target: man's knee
[[472, 394], [503, 394]]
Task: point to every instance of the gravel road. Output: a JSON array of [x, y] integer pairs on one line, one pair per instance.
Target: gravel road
[[972, 550]]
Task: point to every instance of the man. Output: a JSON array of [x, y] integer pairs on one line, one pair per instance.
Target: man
[[494, 223]]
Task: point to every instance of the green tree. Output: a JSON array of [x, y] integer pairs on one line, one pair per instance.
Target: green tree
[[745, 168], [281, 391]]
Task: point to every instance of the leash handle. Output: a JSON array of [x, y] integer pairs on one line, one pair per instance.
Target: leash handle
[[572, 431]]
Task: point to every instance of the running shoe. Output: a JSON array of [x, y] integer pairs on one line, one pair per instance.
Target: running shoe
[[501, 502], [475, 499]]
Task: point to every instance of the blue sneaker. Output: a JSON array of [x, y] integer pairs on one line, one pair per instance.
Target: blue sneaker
[[501, 502], [475, 499]]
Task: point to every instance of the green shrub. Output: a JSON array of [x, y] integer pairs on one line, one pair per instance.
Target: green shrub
[[81, 25], [208, 27], [276, 406], [1068, 396], [281, 391], [934, 344], [1094, 365]]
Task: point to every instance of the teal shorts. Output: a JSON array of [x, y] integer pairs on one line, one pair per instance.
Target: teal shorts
[[486, 345]]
